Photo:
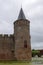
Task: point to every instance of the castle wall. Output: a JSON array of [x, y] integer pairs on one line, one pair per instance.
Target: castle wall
[[18, 45], [6, 47]]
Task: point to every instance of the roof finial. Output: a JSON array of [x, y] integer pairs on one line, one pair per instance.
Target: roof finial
[[21, 5]]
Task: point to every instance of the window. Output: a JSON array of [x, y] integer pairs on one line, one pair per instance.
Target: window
[[12, 51], [25, 43]]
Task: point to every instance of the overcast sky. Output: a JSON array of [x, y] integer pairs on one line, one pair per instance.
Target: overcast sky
[[33, 9]]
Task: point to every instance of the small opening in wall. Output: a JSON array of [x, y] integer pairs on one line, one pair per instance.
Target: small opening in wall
[[25, 43], [12, 51]]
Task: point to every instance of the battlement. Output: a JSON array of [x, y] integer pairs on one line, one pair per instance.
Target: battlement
[[1, 35], [6, 36]]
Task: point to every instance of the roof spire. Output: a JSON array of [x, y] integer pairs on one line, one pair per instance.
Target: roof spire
[[21, 14]]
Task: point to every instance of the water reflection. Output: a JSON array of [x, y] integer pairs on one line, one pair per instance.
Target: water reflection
[[37, 61]]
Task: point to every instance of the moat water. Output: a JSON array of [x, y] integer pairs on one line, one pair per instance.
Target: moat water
[[37, 61]]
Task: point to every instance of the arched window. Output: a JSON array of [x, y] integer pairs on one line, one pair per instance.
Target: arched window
[[25, 43]]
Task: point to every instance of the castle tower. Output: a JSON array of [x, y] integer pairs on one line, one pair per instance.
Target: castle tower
[[22, 37]]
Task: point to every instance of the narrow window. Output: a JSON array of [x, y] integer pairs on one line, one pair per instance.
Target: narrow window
[[25, 43]]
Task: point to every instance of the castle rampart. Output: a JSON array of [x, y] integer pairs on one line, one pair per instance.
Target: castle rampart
[[6, 46]]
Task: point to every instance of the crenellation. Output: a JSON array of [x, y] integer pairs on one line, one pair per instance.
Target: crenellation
[[11, 35], [5, 36], [1, 35]]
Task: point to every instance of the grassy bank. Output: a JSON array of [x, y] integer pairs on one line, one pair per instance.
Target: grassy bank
[[14, 63]]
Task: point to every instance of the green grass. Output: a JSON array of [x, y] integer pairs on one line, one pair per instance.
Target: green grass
[[14, 63]]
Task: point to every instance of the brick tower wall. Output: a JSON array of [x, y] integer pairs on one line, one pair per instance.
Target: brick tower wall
[[22, 40]]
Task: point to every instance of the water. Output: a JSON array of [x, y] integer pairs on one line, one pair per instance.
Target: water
[[37, 61]]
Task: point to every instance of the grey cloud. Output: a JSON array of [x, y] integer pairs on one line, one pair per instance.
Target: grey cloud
[[33, 9], [37, 45]]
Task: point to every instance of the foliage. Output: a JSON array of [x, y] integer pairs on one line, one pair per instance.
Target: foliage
[[35, 51]]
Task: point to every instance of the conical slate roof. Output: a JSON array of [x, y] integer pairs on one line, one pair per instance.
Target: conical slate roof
[[21, 15]]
